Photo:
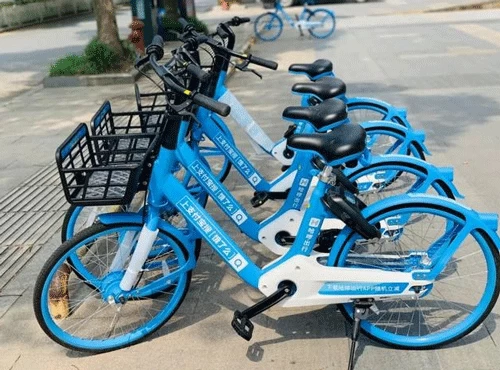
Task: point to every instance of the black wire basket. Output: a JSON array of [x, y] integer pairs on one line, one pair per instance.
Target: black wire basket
[[107, 122], [152, 101], [104, 169]]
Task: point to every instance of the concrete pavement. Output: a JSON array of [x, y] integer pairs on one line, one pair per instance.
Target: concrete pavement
[[26, 54], [443, 73]]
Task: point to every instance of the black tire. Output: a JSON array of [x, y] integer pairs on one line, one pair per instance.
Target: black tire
[[55, 260], [434, 339]]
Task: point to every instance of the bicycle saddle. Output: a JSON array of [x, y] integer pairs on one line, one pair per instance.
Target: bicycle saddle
[[324, 114], [324, 88], [342, 142], [313, 69]]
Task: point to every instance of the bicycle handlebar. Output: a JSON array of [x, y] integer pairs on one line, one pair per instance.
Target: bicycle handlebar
[[156, 47], [211, 104], [194, 39], [263, 62], [155, 52], [185, 25], [198, 73], [236, 21]]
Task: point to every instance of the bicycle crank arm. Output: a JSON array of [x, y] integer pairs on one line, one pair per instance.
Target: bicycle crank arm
[[241, 321]]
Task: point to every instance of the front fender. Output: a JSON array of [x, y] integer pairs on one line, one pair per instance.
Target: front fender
[[487, 223]]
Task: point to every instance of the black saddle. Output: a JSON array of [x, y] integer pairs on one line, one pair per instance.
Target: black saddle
[[324, 88], [313, 69], [339, 143], [324, 114]]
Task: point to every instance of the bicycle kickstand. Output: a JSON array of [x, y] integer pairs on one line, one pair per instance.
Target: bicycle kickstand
[[361, 309], [299, 25]]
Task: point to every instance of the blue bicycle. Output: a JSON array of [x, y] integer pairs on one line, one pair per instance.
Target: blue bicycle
[[376, 180], [320, 23], [411, 271]]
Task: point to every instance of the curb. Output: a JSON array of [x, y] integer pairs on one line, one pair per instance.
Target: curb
[[120, 78], [52, 19], [91, 80], [472, 6], [45, 21]]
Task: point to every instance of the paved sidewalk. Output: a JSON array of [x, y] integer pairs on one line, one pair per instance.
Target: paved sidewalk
[[447, 78], [26, 54]]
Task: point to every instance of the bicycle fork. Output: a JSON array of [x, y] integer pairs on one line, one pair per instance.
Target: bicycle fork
[[146, 239]]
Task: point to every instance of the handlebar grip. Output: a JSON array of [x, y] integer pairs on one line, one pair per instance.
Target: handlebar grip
[[263, 62], [236, 21], [197, 72], [156, 47], [212, 105], [184, 24]]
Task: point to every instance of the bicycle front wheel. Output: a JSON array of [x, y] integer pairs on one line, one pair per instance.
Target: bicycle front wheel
[[459, 299], [321, 23], [72, 300], [268, 27]]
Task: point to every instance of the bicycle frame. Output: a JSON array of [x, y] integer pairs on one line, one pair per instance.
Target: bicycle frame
[[280, 10], [168, 188], [287, 218], [316, 283], [389, 112]]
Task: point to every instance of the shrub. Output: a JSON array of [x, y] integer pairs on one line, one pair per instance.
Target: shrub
[[97, 58], [68, 66], [100, 56]]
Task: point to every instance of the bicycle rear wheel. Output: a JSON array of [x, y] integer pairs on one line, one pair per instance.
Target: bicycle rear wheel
[[382, 180], [359, 114], [460, 297], [363, 111], [381, 141], [268, 27], [71, 300], [322, 23]]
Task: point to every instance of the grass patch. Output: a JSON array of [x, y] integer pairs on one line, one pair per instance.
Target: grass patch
[[97, 58]]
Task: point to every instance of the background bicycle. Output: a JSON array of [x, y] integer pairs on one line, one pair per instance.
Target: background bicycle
[[320, 23]]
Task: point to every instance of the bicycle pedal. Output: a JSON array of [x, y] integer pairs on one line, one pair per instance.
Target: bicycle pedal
[[242, 325], [259, 199]]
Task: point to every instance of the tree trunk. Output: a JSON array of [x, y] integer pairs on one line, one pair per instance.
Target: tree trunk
[[107, 29], [190, 8]]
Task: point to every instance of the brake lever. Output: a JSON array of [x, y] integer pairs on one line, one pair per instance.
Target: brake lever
[[255, 72], [140, 61], [182, 109], [243, 67]]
